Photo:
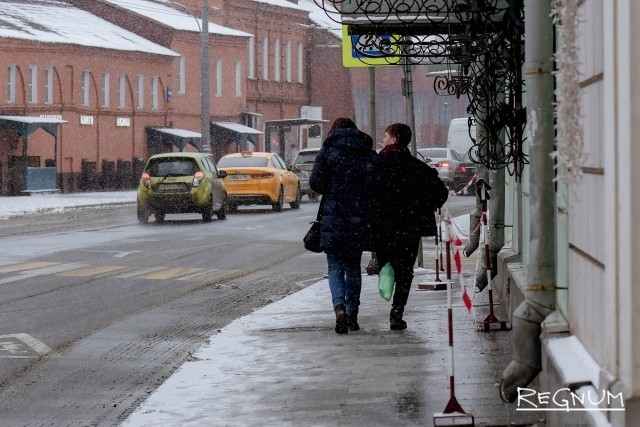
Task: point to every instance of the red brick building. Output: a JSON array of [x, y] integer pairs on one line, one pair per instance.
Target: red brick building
[[122, 77]]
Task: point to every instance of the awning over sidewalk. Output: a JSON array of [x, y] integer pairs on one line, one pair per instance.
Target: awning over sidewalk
[[233, 132], [26, 125], [178, 137]]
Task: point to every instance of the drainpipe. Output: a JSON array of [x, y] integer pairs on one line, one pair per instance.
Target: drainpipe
[[540, 296]]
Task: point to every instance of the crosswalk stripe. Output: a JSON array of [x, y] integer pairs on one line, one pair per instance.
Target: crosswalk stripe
[[92, 271], [138, 272], [213, 275], [54, 269], [171, 273], [195, 276], [12, 268]]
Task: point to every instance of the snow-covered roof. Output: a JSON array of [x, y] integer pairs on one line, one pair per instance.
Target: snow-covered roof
[[173, 18], [319, 16], [51, 21], [282, 3]]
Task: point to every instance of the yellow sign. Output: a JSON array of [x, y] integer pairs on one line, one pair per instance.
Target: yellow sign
[[368, 50]]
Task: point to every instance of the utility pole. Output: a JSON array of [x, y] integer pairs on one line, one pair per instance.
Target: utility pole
[[407, 89], [204, 80]]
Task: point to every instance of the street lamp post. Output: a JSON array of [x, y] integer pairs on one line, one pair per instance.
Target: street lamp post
[[204, 80]]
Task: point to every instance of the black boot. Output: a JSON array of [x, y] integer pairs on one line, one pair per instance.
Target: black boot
[[352, 322], [341, 319], [400, 297], [395, 320]]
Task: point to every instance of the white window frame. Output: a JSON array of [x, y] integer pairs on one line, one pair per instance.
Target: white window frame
[[300, 69], [182, 77], [122, 91], [86, 83], [276, 60], [218, 77], [287, 60], [11, 84], [238, 78], [105, 89], [251, 59], [265, 58], [154, 92], [33, 84], [48, 85], [140, 91]]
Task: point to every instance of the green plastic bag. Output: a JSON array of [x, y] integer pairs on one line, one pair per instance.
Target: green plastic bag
[[386, 281]]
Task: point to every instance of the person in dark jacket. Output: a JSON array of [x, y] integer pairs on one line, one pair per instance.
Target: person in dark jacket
[[343, 175], [407, 192]]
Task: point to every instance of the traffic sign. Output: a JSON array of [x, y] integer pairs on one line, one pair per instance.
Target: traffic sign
[[368, 50]]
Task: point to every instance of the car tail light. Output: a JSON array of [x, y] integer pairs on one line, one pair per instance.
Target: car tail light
[[197, 178], [262, 175], [146, 180], [461, 168], [246, 153], [442, 164]]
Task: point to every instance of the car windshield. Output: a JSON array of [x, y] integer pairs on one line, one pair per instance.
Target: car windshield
[[305, 157], [172, 167], [239, 162], [434, 153]]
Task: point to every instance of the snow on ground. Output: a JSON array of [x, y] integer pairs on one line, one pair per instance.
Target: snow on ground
[[52, 203]]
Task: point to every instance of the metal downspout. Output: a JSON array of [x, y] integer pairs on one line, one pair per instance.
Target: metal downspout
[[540, 296]]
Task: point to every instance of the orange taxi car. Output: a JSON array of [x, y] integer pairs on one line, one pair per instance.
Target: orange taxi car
[[260, 178]]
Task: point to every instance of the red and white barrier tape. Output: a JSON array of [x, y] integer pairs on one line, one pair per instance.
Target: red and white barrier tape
[[457, 245], [466, 187]]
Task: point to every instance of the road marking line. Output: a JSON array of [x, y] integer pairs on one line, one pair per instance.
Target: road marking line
[[11, 268], [11, 346], [41, 272], [170, 273], [198, 274], [138, 272], [92, 271]]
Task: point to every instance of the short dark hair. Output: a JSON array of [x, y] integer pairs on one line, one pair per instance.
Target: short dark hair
[[343, 123], [401, 132]]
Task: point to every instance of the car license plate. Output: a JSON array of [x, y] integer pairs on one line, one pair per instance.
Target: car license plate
[[238, 177], [170, 187]]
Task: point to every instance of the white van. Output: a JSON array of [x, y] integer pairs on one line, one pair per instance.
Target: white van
[[459, 143], [458, 138]]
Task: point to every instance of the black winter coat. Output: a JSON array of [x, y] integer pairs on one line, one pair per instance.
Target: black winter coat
[[407, 193], [343, 175]]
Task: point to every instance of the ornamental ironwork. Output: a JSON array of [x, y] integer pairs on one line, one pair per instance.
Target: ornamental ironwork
[[480, 42]]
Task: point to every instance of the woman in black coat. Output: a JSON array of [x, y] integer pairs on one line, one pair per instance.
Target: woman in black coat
[[343, 175]]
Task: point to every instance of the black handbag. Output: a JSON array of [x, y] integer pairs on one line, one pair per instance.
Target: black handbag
[[312, 238]]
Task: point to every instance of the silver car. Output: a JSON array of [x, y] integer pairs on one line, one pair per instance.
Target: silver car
[[441, 159], [304, 161]]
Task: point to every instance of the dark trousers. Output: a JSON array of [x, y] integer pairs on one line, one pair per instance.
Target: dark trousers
[[401, 250]]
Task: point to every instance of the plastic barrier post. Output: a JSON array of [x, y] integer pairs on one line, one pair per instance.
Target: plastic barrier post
[[491, 319], [453, 413], [437, 285]]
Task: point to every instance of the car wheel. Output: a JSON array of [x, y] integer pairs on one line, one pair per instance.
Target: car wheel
[[222, 213], [159, 216], [207, 212], [313, 197], [296, 204], [277, 206], [143, 215]]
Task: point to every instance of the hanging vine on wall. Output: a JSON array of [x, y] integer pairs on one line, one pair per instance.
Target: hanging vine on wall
[[481, 42]]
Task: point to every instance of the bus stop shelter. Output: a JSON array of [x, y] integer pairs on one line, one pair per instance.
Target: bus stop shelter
[[35, 178]]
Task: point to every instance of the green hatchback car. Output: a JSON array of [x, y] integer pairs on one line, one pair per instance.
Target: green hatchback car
[[174, 183]]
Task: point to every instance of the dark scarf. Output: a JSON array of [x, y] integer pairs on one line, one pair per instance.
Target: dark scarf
[[395, 148]]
